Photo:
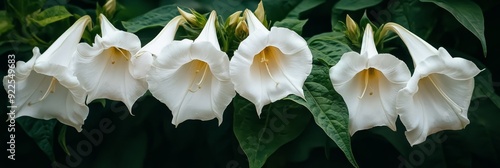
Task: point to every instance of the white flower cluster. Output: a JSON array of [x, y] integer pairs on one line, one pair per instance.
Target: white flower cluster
[[379, 87], [195, 79]]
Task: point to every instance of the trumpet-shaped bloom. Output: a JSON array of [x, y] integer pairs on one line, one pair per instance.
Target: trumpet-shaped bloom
[[270, 65], [369, 83], [438, 94], [52, 90], [143, 59], [105, 69], [192, 77]]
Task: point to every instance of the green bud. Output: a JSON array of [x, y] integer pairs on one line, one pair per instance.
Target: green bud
[[241, 29], [110, 8], [234, 19], [190, 18], [352, 32], [260, 13]]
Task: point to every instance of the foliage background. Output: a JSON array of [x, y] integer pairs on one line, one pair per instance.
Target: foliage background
[[148, 139]]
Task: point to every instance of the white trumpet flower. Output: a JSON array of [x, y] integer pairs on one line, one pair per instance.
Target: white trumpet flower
[[369, 83], [270, 65], [192, 77], [52, 90], [143, 59], [438, 94], [105, 69]]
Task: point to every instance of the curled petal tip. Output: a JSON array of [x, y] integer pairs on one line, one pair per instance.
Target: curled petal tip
[[209, 32]]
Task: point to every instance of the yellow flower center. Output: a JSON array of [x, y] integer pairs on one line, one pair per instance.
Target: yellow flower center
[[268, 57], [118, 53], [367, 74], [198, 66], [50, 89]]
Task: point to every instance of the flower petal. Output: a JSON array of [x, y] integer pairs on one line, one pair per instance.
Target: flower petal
[[192, 79], [254, 24], [209, 33], [436, 97], [165, 37], [267, 67], [370, 98], [140, 65], [369, 92], [395, 70], [104, 70], [418, 48], [141, 62], [107, 76], [34, 99], [368, 46], [106, 26], [56, 60], [350, 64], [121, 39]]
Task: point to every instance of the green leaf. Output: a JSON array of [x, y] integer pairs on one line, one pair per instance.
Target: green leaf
[[279, 123], [304, 6], [51, 15], [468, 14], [293, 24], [484, 88], [22, 8], [5, 22], [277, 10], [156, 17], [328, 109], [353, 5], [42, 132], [364, 21], [337, 17], [409, 15], [328, 47]]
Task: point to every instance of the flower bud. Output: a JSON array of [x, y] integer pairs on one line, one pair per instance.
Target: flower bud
[[190, 18], [110, 7], [234, 19], [241, 29], [260, 13], [352, 31]]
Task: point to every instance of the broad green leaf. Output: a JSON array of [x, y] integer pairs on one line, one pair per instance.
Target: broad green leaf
[[51, 15], [5, 22], [484, 88], [328, 109], [480, 138], [337, 17], [156, 17], [352, 5], [311, 138], [364, 21], [304, 6], [75, 10], [468, 14], [409, 15], [328, 47], [277, 10], [41, 131], [22, 8], [279, 123], [293, 24], [226, 8]]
